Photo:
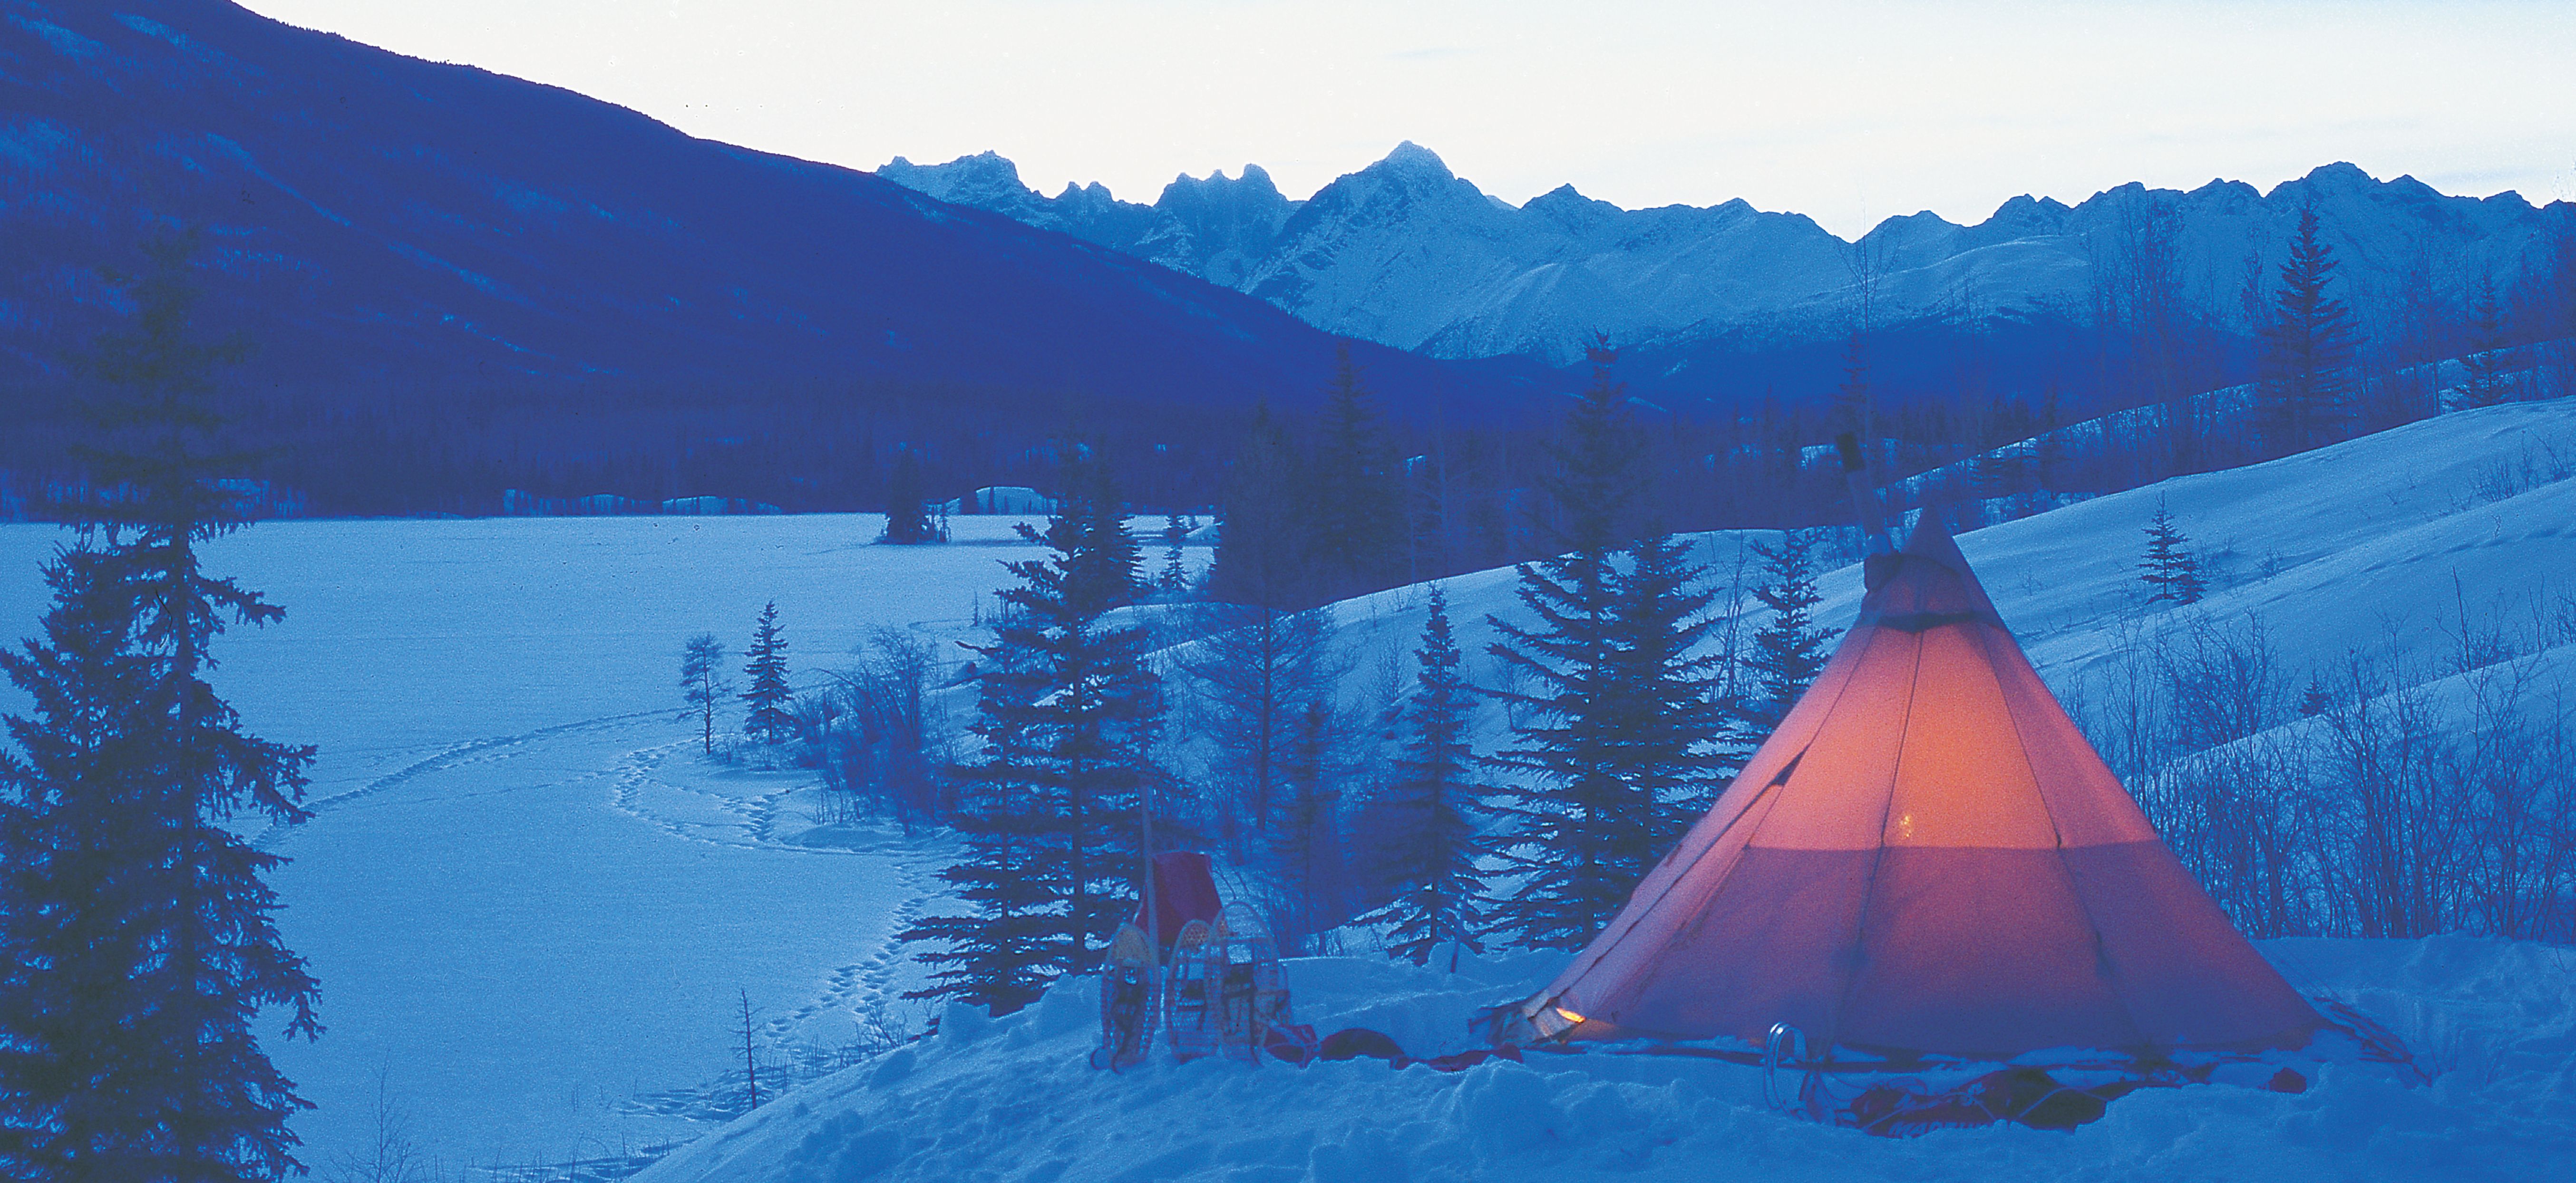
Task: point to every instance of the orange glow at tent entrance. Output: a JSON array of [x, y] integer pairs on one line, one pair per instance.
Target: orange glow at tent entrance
[[1927, 856]]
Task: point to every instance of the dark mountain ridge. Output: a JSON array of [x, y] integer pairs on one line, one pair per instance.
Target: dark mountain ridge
[[374, 218]]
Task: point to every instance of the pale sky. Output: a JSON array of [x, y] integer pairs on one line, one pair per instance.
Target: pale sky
[[1846, 111]]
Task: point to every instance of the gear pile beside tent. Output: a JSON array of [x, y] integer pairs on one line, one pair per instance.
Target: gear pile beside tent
[[1926, 859]]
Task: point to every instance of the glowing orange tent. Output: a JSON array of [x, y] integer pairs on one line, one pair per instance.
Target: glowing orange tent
[[1926, 857]]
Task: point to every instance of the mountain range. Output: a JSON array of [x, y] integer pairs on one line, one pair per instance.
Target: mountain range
[[1405, 253], [371, 219]]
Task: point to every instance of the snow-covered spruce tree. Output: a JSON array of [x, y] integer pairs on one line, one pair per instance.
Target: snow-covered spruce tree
[[703, 684], [769, 713], [1252, 675], [1427, 846], [1789, 651], [2170, 570], [137, 933], [908, 521], [1573, 823], [2306, 388], [1068, 710], [1357, 526]]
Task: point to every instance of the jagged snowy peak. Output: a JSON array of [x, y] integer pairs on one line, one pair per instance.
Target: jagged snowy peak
[[1213, 227], [1406, 253]]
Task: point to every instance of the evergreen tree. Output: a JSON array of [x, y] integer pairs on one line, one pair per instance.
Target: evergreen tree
[[2306, 389], [703, 684], [765, 664], [1068, 708], [1573, 827], [1427, 846], [1003, 954], [2483, 384], [137, 935], [1306, 845], [1428, 525], [1357, 525], [1175, 579], [1261, 543], [1253, 674], [1668, 721], [2169, 570], [1789, 651], [908, 519]]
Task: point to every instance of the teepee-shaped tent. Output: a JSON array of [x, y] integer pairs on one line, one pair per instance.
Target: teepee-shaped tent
[[1926, 857]]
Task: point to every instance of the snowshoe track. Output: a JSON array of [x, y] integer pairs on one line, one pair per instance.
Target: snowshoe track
[[458, 755]]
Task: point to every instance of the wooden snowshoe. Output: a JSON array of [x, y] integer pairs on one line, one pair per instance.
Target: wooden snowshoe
[[1192, 1004], [1254, 996], [1126, 1002]]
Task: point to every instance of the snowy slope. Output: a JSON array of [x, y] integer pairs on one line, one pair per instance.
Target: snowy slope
[[2332, 548], [1404, 253], [2336, 549], [1013, 1099]]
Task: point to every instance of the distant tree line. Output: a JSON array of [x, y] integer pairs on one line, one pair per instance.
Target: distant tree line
[[1627, 701], [1369, 496]]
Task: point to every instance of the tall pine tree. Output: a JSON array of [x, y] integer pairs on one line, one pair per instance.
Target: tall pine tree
[[1357, 522], [1306, 844], [1261, 544], [1052, 811], [2306, 390], [768, 696], [1573, 825], [1427, 845], [1252, 675], [1669, 724], [137, 933]]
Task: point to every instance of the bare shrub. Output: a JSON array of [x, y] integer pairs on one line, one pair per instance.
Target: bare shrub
[[2425, 796]]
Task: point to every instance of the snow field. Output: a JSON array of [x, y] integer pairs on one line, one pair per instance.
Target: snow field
[[530, 902], [1013, 1099], [2374, 545], [2376, 542]]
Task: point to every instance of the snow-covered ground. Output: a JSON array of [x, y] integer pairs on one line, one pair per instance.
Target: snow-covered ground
[[2390, 536], [1013, 1099], [2375, 544], [530, 903]]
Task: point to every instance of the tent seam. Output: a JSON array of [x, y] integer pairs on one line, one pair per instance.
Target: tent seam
[[1869, 886], [2119, 996]]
